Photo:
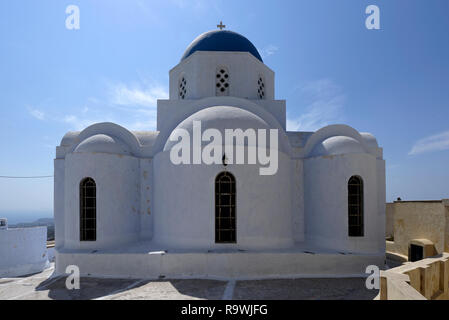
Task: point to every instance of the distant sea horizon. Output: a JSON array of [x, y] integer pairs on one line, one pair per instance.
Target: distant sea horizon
[[25, 217]]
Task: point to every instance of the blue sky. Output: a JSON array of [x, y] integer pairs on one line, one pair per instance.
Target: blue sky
[[392, 82]]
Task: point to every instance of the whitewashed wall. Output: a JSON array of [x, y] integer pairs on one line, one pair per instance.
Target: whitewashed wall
[[146, 199], [200, 72], [23, 251], [185, 206], [141, 195], [59, 202], [117, 179], [326, 202]]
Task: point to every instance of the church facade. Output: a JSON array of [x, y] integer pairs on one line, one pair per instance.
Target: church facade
[[124, 208]]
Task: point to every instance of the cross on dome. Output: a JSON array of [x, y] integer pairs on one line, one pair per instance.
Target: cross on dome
[[221, 25]]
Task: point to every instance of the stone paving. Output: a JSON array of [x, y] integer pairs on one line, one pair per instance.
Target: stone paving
[[42, 286]]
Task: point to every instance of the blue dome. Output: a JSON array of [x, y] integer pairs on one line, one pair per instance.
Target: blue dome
[[221, 40]]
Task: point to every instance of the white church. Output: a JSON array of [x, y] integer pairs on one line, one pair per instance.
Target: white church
[[124, 208]]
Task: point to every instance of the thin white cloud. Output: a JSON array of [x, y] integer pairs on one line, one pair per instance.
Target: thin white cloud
[[142, 125], [268, 51], [437, 142], [78, 123], [197, 6], [152, 9], [325, 106], [40, 115], [181, 3], [130, 105], [135, 96]]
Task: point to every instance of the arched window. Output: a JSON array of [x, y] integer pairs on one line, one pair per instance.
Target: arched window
[[182, 88], [222, 82], [225, 213], [355, 207], [88, 210], [261, 87]]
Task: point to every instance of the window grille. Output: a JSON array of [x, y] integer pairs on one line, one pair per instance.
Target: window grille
[[225, 208], [222, 82], [88, 210], [182, 88], [355, 207], [261, 88]]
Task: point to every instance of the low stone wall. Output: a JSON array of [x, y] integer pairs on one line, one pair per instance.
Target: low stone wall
[[421, 280], [23, 251], [411, 220]]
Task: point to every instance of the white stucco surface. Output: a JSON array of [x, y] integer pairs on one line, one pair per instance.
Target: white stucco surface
[[186, 193], [200, 71], [221, 264], [327, 215], [118, 198], [23, 251], [145, 203]]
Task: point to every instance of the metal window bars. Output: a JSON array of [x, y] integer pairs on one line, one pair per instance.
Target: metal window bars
[[225, 208]]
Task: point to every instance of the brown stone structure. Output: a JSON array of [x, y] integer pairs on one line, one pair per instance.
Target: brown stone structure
[[414, 224]]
